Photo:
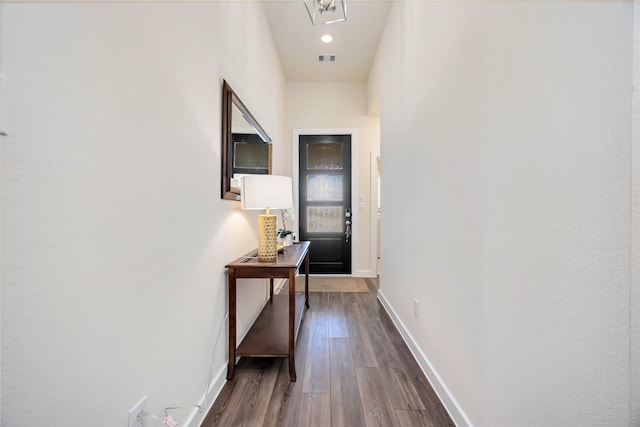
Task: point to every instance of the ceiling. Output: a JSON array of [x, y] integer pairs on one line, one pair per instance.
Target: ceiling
[[355, 41]]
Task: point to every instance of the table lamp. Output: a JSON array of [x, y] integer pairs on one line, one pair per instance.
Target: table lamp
[[266, 192]]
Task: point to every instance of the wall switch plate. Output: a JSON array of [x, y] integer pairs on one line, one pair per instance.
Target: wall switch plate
[[415, 307], [140, 407]]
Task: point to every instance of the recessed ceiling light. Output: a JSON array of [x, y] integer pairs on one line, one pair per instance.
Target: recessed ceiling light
[[327, 38]]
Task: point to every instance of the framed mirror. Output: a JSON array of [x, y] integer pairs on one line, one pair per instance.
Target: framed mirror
[[246, 147]]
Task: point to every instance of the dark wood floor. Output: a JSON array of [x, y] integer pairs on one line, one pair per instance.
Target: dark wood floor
[[353, 370]]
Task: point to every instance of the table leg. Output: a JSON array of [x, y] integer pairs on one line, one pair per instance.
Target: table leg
[[306, 280], [232, 324], [292, 324], [271, 290]]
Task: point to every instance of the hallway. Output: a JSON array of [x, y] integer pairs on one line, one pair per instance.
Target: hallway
[[353, 370], [509, 139]]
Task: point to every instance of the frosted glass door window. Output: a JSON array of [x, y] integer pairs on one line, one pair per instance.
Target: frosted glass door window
[[324, 156], [324, 187], [324, 219], [250, 155]]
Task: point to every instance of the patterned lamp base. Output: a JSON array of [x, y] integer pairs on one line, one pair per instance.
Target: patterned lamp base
[[267, 244]]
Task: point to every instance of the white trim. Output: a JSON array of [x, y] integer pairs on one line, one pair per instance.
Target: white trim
[[329, 275], [363, 273], [197, 416], [373, 211], [278, 284], [450, 404], [354, 181]]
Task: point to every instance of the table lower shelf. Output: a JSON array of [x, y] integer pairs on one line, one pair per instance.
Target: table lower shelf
[[269, 335]]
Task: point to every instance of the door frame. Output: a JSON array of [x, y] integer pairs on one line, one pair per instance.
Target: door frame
[[354, 184], [374, 161]]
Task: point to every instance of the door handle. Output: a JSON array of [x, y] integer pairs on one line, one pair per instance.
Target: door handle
[[347, 231]]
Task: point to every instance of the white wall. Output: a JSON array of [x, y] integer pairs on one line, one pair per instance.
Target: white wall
[[635, 226], [1, 142], [341, 106], [506, 139], [114, 234]]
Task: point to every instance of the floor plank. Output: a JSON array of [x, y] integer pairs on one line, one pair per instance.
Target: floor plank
[[316, 368], [353, 370], [253, 396], [346, 406], [336, 316], [376, 402], [234, 412], [317, 320], [413, 418], [364, 354], [315, 410], [284, 403]]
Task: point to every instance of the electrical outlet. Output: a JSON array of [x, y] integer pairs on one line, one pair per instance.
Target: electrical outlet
[[140, 407], [415, 307]]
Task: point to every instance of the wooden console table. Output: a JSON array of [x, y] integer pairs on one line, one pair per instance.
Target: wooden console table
[[268, 337]]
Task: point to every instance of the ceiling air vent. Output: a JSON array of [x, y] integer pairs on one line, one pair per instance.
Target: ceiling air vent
[[326, 58]]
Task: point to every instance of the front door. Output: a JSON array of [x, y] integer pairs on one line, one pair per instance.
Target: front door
[[325, 201]]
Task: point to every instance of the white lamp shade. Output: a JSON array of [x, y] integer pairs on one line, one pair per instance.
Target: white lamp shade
[[266, 192]]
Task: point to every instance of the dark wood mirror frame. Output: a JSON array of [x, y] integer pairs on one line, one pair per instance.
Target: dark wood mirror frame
[[229, 101]]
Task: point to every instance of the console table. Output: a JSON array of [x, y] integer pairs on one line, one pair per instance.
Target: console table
[[269, 337]]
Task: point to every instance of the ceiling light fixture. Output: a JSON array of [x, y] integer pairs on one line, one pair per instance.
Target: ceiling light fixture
[[323, 12], [327, 38]]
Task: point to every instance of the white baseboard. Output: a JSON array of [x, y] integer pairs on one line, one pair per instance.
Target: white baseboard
[[328, 275], [278, 284], [197, 416], [362, 274], [365, 274], [449, 402]]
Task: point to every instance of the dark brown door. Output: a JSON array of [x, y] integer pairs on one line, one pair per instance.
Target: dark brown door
[[325, 201]]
